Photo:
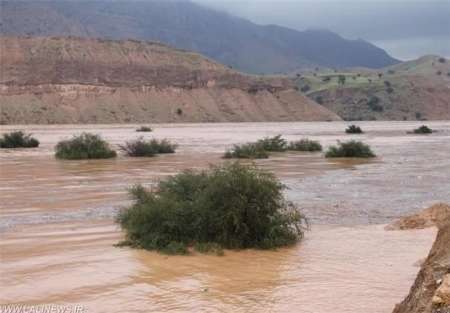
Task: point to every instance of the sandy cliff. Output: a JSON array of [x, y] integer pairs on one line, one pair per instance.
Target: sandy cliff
[[72, 80], [431, 290]]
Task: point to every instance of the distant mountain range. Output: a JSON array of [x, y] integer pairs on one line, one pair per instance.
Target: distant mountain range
[[232, 41]]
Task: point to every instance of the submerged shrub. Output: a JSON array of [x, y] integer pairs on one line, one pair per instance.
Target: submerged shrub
[[147, 148], [305, 145], [273, 144], [144, 129], [232, 206], [84, 146], [259, 149], [246, 151], [423, 130], [18, 139], [353, 129], [350, 149]]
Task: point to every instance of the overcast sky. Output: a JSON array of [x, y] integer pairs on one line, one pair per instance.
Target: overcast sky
[[405, 28]]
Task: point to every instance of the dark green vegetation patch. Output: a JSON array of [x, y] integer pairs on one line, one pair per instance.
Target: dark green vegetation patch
[[84, 146], [350, 149], [18, 139], [249, 150], [145, 129], [261, 148], [147, 148], [305, 145], [232, 206], [353, 129], [423, 130], [273, 144]]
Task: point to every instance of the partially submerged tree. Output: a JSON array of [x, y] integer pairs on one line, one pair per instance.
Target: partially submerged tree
[[232, 206], [350, 149], [18, 139], [147, 148], [353, 129], [84, 146]]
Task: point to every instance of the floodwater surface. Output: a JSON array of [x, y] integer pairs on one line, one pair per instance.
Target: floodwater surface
[[57, 228]]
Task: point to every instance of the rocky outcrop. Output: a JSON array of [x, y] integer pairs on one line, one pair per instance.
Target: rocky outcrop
[[430, 292], [73, 80]]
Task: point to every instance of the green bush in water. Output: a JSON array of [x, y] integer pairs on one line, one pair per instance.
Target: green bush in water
[[84, 146], [273, 144], [258, 149], [144, 129], [18, 139], [423, 130], [147, 148], [305, 145], [350, 149], [232, 206], [353, 129], [246, 151]]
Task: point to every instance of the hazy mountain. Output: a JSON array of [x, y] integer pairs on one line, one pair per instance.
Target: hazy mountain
[[230, 40]]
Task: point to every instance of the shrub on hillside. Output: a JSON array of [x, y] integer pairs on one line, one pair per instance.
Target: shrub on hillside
[[305, 145], [305, 88], [353, 129], [84, 146], [423, 130], [232, 207], [144, 129], [18, 139], [147, 148], [374, 104], [246, 151], [350, 149]]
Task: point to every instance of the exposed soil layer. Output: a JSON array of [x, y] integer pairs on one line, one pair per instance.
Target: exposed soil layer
[[431, 290], [432, 216], [70, 80]]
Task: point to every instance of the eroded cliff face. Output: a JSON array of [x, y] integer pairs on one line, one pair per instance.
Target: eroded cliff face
[[70, 80], [431, 290]]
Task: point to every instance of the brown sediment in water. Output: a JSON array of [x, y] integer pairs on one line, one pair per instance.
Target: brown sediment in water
[[344, 265], [345, 269]]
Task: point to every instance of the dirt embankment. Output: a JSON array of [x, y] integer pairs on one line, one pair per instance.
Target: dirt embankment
[[72, 80], [431, 290]]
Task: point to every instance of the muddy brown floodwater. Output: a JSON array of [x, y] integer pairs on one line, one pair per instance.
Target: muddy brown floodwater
[[57, 229]]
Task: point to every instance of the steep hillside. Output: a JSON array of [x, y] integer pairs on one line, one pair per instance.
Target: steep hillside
[[232, 41], [415, 90], [70, 80]]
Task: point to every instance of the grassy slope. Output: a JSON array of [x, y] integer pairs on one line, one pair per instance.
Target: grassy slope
[[408, 91]]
